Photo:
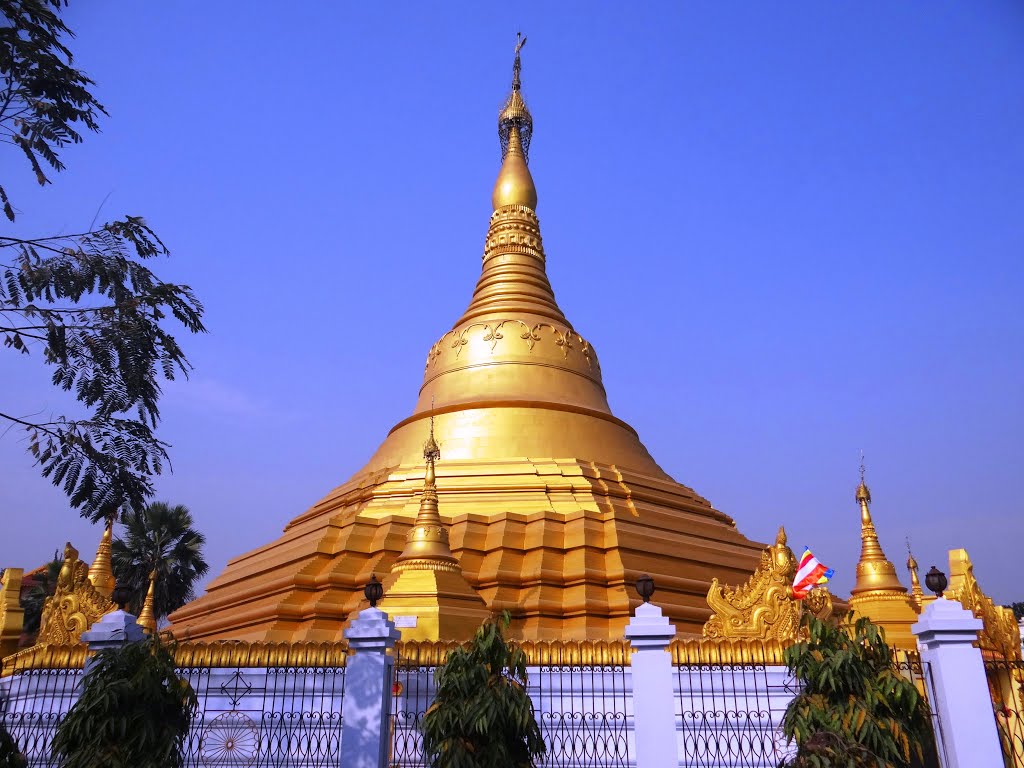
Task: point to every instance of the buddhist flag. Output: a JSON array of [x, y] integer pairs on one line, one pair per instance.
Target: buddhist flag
[[809, 574]]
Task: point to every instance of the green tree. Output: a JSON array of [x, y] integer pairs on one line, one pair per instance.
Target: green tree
[[854, 710], [482, 716], [1018, 610], [44, 101], [10, 756], [35, 597], [133, 712], [159, 537], [85, 301]]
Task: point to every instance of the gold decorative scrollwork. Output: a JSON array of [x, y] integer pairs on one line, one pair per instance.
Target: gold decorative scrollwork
[[564, 338], [75, 604], [764, 608], [1000, 632]]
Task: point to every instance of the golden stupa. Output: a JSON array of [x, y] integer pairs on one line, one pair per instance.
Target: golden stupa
[[553, 506], [878, 593]]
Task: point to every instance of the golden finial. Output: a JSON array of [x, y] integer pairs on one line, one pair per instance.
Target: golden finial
[[515, 129], [916, 593], [101, 573], [147, 619], [863, 494]]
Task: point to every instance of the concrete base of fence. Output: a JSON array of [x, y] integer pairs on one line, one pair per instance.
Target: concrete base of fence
[[967, 734], [654, 717], [366, 710]]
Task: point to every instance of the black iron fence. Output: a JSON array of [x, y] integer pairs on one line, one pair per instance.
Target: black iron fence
[[731, 714], [1006, 686], [34, 702], [259, 705], [582, 702]]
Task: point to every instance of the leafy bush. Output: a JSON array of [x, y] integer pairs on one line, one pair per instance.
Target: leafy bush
[[10, 757], [855, 709], [134, 712], [482, 716]]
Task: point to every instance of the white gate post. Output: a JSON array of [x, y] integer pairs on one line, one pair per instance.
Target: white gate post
[[946, 633], [654, 710], [366, 708], [114, 630]]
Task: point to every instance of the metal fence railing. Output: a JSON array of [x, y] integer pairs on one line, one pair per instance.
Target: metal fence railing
[[1006, 686]]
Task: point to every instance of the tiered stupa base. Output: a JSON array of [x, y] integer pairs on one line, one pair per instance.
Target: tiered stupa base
[[562, 554]]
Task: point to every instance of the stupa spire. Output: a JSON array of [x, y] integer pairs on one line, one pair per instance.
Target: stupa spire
[[916, 593], [147, 616], [426, 545], [515, 130], [875, 572], [101, 572], [426, 592]]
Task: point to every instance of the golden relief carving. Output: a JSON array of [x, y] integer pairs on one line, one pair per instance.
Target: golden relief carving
[[1000, 632], [75, 603], [764, 608], [565, 339]]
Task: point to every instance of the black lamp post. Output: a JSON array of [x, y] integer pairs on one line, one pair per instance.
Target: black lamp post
[[935, 580], [121, 595], [645, 587], [374, 591]]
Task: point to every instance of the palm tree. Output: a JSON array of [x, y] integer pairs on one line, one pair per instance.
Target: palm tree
[[159, 537]]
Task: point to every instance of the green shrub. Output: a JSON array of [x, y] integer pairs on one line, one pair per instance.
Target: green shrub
[[133, 712], [855, 709], [482, 716]]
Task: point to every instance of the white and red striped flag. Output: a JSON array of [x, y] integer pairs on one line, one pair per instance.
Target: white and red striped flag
[[809, 574]]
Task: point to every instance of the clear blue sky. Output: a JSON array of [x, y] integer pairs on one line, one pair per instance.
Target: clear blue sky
[[792, 232]]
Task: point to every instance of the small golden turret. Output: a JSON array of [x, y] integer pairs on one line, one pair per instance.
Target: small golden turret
[[878, 593], [875, 572], [101, 572], [147, 618], [916, 593], [426, 593], [515, 128], [426, 546]]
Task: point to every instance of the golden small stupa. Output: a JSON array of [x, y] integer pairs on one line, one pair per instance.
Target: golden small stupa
[[553, 505], [427, 594], [878, 593]]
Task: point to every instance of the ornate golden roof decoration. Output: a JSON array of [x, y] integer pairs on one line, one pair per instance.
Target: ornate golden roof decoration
[[75, 603], [1000, 632], [46, 657], [764, 608], [11, 613]]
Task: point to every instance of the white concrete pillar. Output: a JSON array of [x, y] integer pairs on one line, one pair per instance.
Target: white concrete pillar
[[967, 728], [114, 630], [366, 708], [654, 708]]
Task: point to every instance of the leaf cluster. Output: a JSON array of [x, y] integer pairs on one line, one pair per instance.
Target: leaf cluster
[[10, 756], [854, 710], [133, 712], [45, 102], [482, 716], [99, 314], [159, 537]]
